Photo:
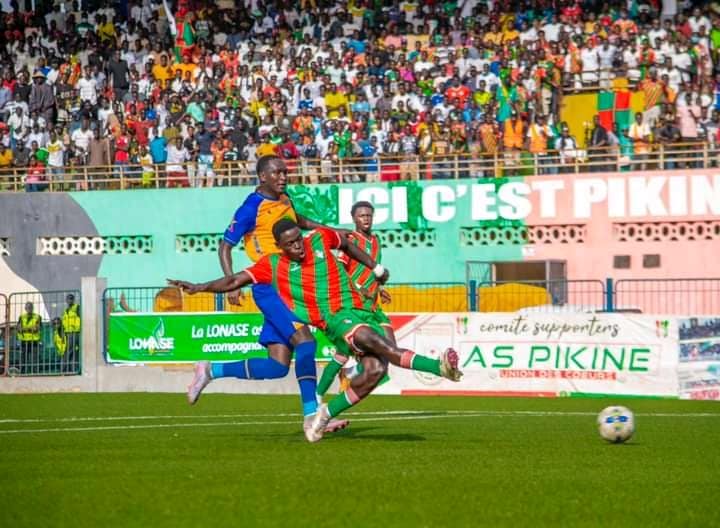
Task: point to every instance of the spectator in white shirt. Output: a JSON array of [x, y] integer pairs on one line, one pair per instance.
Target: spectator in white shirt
[[552, 29], [56, 154], [177, 156], [81, 137], [37, 135], [697, 20], [590, 64], [18, 123], [87, 87]]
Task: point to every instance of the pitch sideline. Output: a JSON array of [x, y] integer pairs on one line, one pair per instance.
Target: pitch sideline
[[370, 416]]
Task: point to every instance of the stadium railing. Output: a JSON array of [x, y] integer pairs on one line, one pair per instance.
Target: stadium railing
[[382, 168], [652, 296], [541, 296], [594, 80], [668, 296], [51, 356], [406, 297], [4, 335]]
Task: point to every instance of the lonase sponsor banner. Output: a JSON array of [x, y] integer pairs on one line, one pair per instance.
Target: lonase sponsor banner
[[190, 337], [699, 358], [544, 354]]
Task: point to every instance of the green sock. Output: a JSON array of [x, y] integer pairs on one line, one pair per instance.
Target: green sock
[[342, 402], [328, 375], [411, 360]]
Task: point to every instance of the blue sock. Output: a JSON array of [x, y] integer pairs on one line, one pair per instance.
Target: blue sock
[[306, 374], [256, 368]]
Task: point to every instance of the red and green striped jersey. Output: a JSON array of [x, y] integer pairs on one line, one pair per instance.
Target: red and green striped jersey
[[315, 288], [361, 275]]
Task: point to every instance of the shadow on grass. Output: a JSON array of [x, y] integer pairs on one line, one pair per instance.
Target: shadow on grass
[[360, 433]]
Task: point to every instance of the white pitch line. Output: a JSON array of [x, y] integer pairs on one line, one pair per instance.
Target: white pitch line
[[362, 413], [224, 424], [201, 416], [379, 416]]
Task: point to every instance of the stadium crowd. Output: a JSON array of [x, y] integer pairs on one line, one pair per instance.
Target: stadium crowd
[[142, 83], [700, 329]]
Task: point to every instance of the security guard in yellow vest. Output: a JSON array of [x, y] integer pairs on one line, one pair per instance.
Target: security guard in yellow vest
[[59, 339], [28, 333], [71, 331]]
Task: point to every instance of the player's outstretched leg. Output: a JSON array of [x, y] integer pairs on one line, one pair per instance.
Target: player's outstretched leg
[[331, 370], [373, 370], [256, 369], [201, 378], [283, 328], [336, 366], [369, 341]]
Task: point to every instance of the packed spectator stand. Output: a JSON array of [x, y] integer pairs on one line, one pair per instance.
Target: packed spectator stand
[[151, 94]]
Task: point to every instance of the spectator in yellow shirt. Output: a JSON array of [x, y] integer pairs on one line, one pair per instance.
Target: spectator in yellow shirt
[[494, 36], [334, 100], [266, 148], [106, 29], [6, 162], [185, 66], [510, 33], [162, 72]]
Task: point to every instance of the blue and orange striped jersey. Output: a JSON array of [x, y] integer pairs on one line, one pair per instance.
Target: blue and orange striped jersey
[[253, 222]]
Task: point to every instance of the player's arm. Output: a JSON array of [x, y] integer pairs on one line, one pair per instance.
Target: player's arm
[[221, 285], [243, 221], [355, 253], [306, 224], [225, 253]]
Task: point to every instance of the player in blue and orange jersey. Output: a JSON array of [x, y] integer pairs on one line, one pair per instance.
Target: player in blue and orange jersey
[[282, 333]]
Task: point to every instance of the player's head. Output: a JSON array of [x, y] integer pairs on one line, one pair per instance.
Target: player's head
[[288, 238], [362, 214], [272, 174]]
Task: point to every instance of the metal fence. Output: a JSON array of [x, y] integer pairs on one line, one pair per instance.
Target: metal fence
[[657, 296], [539, 296], [651, 296], [700, 296], [55, 352], [378, 168], [4, 335], [668, 296], [158, 299], [428, 297], [405, 297]]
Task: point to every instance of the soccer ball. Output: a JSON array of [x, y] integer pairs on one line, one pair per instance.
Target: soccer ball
[[616, 424]]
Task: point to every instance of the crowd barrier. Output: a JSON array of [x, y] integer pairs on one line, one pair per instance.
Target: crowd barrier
[[379, 168], [54, 352], [670, 297]]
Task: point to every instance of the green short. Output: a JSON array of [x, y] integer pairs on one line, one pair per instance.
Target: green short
[[381, 318], [343, 324]]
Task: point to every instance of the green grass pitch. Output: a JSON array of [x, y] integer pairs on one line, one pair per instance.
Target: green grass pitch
[[150, 460]]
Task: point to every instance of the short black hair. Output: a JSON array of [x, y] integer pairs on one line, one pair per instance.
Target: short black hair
[[358, 205], [281, 226], [263, 162]]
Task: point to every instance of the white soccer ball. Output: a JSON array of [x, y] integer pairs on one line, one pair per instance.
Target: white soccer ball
[[616, 424]]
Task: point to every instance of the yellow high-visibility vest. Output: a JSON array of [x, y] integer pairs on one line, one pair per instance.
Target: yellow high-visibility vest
[[71, 319], [60, 343], [27, 322]]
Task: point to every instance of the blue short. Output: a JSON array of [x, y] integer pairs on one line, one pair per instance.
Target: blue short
[[280, 323]]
